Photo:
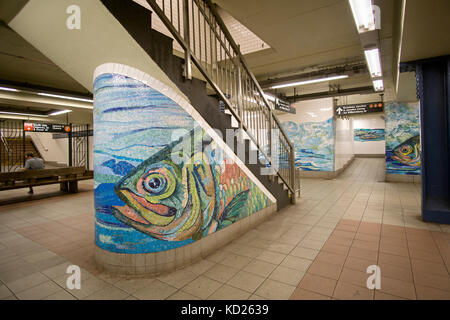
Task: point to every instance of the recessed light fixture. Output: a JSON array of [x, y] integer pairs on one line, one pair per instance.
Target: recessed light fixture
[[59, 112], [64, 97], [301, 83], [8, 89], [378, 85], [363, 14], [373, 61], [24, 114]]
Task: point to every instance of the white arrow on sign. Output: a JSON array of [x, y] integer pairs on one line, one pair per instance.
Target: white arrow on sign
[[339, 110]]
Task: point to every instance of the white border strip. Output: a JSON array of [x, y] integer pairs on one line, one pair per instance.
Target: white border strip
[[181, 101]]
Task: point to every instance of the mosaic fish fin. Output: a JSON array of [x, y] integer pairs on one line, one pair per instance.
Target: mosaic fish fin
[[233, 209]]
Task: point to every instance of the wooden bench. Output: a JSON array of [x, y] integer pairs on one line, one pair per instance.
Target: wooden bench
[[67, 178]]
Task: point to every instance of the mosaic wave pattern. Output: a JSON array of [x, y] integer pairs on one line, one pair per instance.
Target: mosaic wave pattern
[[161, 182], [366, 135], [314, 144], [402, 138]]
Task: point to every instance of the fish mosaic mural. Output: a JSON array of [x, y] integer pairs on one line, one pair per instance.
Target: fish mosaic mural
[[314, 144], [366, 135], [161, 181], [402, 138]]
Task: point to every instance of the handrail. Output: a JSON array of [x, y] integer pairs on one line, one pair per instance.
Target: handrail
[[208, 44], [5, 144], [36, 137]]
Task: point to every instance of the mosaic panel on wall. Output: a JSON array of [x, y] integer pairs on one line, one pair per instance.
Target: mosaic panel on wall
[[161, 181], [314, 144], [402, 138], [365, 135]]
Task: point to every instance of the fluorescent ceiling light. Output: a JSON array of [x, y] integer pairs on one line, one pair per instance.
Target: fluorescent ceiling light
[[24, 114], [373, 61], [64, 97], [378, 85], [59, 112], [301, 83], [8, 89], [363, 14], [269, 97]]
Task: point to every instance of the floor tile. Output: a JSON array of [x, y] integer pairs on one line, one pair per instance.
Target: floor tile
[[246, 281], [39, 292], [227, 292], [108, 293], [221, 273], [287, 275], [326, 270], [272, 257], [60, 295], [261, 268], [305, 253], [178, 278], [275, 290], [429, 293], [346, 291], [300, 264], [156, 290], [398, 288], [302, 294], [235, 261], [318, 284], [432, 280], [26, 282], [202, 287], [132, 285], [4, 291], [181, 295]]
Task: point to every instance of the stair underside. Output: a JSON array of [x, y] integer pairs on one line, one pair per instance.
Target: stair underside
[[137, 21]]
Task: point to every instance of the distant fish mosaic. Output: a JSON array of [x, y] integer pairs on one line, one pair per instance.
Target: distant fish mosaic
[[152, 193], [314, 144], [403, 147], [366, 135]]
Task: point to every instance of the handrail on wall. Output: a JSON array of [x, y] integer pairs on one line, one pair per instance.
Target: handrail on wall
[[207, 43], [36, 138]]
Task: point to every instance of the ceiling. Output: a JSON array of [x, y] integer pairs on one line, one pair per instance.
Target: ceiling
[[314, 35], [305, 36], [426, 28], [22, 64]]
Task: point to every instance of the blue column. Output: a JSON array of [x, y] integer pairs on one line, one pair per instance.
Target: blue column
[[433, 91]]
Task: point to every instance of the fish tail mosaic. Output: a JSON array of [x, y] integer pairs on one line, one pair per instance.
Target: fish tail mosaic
[[402, 138], [152, 192]]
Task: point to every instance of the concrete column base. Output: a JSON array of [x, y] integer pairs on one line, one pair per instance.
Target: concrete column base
[[157, 263], [409, 178]]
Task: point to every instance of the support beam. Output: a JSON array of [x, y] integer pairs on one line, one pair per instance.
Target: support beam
[[330, 94]]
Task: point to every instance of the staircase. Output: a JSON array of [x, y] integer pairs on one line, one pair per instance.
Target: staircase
[[137, 21], [12, 152]]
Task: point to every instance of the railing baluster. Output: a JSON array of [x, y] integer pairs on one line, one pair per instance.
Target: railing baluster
[[178, 14], [193, 27], [234, 82]]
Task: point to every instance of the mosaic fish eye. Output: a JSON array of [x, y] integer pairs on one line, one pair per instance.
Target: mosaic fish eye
[[155, 183], [406, 150]]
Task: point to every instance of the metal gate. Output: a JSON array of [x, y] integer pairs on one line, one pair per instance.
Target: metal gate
[[79, 146], [12, 145]]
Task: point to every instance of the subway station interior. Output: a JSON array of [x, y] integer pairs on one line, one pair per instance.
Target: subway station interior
[[224, 150]]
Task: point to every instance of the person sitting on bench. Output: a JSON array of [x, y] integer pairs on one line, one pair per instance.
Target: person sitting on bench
[[33, 163]]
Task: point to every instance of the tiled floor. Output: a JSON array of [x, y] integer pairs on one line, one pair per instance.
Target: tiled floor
[[318, 249]]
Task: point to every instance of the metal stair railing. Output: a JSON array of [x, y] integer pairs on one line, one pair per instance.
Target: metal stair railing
[[207, 43]]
